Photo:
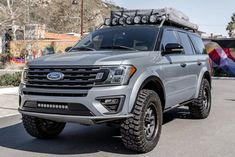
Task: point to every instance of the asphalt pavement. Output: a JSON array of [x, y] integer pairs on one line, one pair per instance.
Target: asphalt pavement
[[181, 135]]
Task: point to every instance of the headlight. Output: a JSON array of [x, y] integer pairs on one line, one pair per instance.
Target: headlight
[[24, 75], [119, 75]]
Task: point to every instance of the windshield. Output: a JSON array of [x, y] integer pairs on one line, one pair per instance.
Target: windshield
[[133, 38]]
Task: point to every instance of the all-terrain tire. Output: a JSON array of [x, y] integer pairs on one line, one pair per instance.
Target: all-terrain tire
[[135, 131], [200, 107], [41, 128]]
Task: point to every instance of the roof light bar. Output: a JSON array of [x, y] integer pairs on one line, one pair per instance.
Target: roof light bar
[[130, 20], [114, 21], [137, 19], [151, 16], [107, 22], [145, 19], [122, 20]]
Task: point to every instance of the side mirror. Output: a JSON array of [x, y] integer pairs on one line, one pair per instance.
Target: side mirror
[[173, 48], [67, 49]]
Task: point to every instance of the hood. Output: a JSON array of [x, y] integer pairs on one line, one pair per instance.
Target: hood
[[89, 58]]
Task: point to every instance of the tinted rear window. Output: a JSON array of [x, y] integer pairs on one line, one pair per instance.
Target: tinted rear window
[[198, 44], [186, 43]]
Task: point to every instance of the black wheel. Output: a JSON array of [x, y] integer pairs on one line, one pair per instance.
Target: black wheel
[[141, 133], [200, 107], [41, 128]]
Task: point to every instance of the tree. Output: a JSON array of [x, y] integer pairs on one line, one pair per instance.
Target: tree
[[231, 26], [59, 16], [10, 14]]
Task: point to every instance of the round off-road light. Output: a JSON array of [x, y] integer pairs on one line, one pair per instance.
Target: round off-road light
[[145, 19], [122, 21], [129, 20], [114, 21], [137, 19], [107, 22], [153, 18]]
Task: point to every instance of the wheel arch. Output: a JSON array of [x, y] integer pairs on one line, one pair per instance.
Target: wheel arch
[[152, 83], [205, 74]]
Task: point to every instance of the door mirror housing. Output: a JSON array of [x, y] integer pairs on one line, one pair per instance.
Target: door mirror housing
[[67, 49], [173, 48]]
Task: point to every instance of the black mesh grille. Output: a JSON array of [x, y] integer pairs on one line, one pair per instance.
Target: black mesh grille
[[74, 77]]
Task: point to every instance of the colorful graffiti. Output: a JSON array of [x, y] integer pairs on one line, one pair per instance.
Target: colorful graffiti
[[222, 57]]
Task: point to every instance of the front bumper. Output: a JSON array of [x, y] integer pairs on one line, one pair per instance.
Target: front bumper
[[99, 112], [87, 120]]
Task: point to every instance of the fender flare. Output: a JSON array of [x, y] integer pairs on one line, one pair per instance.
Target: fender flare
[[139, 84], [203, 72]]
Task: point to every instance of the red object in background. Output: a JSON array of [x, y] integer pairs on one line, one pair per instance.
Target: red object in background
[[211, 66], [228, 53], [215, 57], [17, 60], [34, 54]]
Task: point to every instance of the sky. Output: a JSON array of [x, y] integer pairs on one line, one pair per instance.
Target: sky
[[212, 16]]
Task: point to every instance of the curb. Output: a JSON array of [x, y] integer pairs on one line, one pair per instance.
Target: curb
[[9, 70], [12, 90], [9, 120]]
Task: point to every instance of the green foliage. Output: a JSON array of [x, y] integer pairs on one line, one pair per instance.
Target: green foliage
[[218, 72], [231, 26], [10, 79], [4, 58]]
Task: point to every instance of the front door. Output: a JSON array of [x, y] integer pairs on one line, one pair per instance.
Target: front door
[[174, 72]]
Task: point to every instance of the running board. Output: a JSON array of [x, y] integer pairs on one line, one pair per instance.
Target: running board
[[178, 105]]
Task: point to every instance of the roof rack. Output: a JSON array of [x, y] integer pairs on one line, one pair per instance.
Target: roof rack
[[165, 16]]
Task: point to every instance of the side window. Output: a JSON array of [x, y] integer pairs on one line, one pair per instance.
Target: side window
[[168, 37], [198, 44], [185, 41]]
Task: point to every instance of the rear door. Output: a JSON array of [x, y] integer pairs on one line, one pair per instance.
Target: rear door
[[200, 57], [193, 64]]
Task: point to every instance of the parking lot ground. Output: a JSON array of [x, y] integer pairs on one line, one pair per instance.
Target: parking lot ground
[[8, 104], [181, 135]]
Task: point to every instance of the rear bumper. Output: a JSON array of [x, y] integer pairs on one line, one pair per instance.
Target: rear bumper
[[88, 120]]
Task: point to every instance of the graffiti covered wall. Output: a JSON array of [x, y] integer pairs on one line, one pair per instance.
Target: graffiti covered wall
[[222, 53]]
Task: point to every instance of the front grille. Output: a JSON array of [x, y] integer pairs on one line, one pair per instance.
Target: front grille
[[75, 77]]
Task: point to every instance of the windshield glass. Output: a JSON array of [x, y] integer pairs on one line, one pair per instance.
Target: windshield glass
[[134, 38]]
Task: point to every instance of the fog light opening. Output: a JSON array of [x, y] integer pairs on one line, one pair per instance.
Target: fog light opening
[[112, 104]]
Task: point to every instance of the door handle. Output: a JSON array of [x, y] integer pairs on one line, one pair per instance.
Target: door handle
[[183, 65]]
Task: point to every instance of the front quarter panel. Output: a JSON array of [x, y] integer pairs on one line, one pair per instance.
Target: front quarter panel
[[138, 85], [147, 66], [136, 88]]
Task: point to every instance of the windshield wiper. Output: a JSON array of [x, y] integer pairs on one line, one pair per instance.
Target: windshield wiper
[[118, 47], [83, 48]]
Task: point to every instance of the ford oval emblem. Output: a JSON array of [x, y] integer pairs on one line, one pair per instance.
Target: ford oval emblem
[[55, 76]]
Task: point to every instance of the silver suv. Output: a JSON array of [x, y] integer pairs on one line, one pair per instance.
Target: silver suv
[[128, 72]]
